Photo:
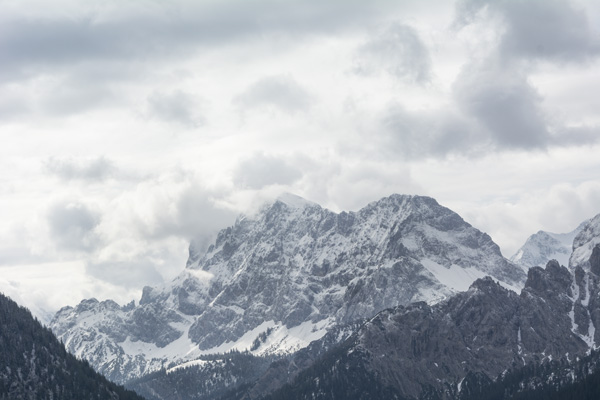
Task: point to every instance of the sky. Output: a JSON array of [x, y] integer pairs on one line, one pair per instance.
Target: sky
[[130, 128]]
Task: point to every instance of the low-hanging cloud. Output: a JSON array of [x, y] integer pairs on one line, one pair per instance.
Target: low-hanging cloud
[[399, 51]]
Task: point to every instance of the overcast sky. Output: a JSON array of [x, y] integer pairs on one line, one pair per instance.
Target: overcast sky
[[130, 127]]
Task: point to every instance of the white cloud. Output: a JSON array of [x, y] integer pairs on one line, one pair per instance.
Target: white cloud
[[130, 128]]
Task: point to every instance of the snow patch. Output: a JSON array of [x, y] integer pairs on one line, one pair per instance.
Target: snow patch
[[455, 277]]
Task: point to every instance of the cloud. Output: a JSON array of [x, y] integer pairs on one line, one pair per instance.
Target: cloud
[[175, 107], [171, 206], [32, 41], [126, 274], [558, 208], [95, 169], [495, 91], [399, 51], [425, 133], [552, 30], [504, 104], [280, 91], [72, 226], [263, 170]]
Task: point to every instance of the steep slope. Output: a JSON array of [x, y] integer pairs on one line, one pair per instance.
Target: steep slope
[[286, 276], [452, 349], [543, 246], [584, 243], [35, 365]]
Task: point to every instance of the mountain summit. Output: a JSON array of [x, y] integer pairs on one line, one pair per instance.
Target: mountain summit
[[278, 280]]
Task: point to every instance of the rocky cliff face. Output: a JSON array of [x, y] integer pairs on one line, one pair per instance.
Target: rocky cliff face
[[443, 351], [278, 280]]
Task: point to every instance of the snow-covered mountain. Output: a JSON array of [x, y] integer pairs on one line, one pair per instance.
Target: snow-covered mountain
[[276, 281], [485, 343], [543, 246]]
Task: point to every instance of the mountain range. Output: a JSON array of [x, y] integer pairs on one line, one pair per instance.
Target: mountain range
[[285, 277], [401, 299]]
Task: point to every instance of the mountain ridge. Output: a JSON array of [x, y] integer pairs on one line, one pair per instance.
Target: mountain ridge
[[294, 271]]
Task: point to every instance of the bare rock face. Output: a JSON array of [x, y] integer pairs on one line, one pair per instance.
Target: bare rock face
[[294, 268], [595, 260]]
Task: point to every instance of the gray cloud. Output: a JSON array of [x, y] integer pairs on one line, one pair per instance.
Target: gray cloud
[[175, 107], [72, 226], [554, 30], [145, 32], [96, 169], [399, 51], [263, 170], [504, 104], [496, 94], [279, 91], [437, 133]]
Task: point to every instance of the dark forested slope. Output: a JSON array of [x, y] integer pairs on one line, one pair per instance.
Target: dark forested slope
[[35, 365]]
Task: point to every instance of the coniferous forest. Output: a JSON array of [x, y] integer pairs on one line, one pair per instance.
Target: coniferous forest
[[35, 365]]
